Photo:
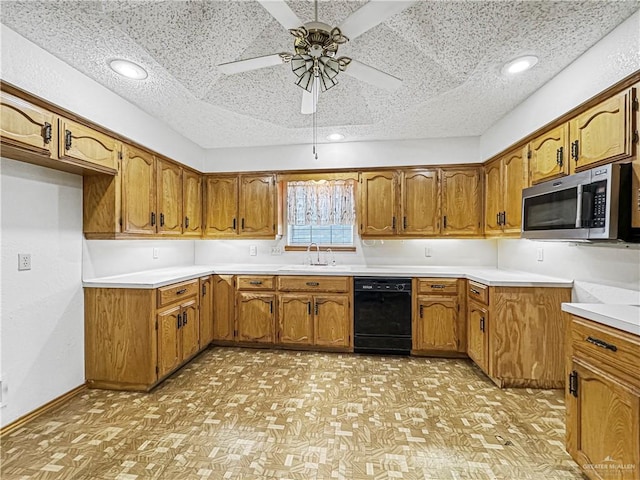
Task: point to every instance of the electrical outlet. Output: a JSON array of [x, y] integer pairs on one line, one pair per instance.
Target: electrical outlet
[[540, 254], [156, 252], [276, 250], [427, 251], [4, 393], [253, 250], [24, 261]]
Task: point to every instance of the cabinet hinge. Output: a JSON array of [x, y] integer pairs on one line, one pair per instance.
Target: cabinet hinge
[[635, 104]]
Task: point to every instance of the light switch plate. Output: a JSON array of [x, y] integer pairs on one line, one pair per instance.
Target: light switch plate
[[24, 261], [156, 252], [540, 254]]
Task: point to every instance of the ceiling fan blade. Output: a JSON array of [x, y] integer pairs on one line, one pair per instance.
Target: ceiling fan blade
[[308, 101], [282, 13], [371, 14], [251, 64], [372, 75]]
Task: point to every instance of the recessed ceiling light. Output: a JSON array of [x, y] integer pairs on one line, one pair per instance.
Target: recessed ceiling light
[[519, 64], [128, 69], [335, 137]]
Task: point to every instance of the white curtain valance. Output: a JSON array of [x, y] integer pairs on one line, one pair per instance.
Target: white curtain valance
[[327, 202]]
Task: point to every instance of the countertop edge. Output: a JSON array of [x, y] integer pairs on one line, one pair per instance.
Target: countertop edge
[[610, 319]]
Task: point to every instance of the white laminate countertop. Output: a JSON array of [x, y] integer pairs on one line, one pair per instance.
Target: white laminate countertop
[[622, 317], [487, 276]]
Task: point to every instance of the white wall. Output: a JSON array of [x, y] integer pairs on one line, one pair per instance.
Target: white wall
[[345, 155], [444, 252], [102, 258], [42, 327], [610, 60], [33, 69]]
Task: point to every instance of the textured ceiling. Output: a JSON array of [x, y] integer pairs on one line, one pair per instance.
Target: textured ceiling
[[448, 53]]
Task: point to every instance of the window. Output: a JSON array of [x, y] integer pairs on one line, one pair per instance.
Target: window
[[322, 212]]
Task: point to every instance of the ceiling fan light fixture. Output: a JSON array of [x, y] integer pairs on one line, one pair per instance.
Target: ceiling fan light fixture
[[306, 81], [519, 64], [128, 69], [335, 137]]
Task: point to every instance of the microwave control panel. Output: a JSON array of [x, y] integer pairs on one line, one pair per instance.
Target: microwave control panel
[[599, 205]]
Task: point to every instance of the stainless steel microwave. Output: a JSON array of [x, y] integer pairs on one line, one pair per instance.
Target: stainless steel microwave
[[591, 205]]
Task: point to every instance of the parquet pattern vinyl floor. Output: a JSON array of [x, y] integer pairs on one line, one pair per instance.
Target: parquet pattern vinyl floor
[[264, 414]]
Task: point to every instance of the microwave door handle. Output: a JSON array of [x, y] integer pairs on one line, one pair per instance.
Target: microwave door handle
[[586, 206], [579, 208]]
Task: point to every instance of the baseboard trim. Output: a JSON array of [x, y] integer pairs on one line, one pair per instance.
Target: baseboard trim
[[38, 412]]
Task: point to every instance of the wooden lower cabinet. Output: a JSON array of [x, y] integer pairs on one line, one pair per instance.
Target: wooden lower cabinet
[[295, 319], [477, 338], [206, 310], [332, 321], [224, 316], [134, 338], [603, 400], [255, 317]]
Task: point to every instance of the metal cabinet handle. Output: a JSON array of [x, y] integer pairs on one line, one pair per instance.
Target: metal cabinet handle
[[309, 308], [574, 150], [316, 308], [179, 321], [204, 290], [234, 224], [271, 306], [573, 383], [184, 319], [498, 218], [67, 139], [421, 310], [482, 324], [153, 219], [255, 282], [444, 221], [162, 219], [313, 284], [404, 222], [559, 155], [504, 218], [242, 224], [46, 132], [393, 223], [181, 291], [602, 344], [437, 286], [474, 291], [186, 222]]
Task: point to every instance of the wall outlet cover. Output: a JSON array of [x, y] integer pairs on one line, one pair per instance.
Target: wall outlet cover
[[540, 254], [156, 252], [24, 261], [427, 251], [276, 250], [253, 250]]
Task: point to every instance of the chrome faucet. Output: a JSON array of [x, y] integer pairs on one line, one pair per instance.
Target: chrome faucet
[[317, 251]]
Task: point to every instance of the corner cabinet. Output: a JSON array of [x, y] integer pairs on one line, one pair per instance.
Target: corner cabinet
[[603, 400], [134, 338], [240, 205]]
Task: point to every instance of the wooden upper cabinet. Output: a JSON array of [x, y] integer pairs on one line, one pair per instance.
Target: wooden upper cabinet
[[332, 321], [223, 308], [85, 145], [191, 203], [138, 191], [550, 155], [26, 129], [255, 317], [257, 206], [604, 133], [295, 319], [494, 197], [461, 202], [221, 206], [378, 200], [169, 196], [419, 203]]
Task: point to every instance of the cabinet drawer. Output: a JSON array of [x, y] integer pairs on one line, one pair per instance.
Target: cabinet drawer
[[478, 292], [176, 292], [313, 284], [619, 349], [256, 282], [438, 285]]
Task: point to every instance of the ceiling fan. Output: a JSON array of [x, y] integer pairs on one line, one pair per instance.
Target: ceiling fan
[[316, 44]]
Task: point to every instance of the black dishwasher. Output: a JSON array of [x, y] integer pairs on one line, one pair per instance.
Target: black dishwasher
[[382, 315]]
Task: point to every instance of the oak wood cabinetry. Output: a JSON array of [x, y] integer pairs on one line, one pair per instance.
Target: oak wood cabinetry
[[33, 134], [603, 400], [549, 155], [315, 312], [438, 326], [224, 316], [504, 179], [134, 338], [206, 310], [138, 172], [421, 202], [255, 309], [515, 334], [169, 197], [191, 203], [604, 133], [240, 205]]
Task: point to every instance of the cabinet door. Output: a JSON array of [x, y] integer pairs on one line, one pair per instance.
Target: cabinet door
[[461, 202], [138, 191], [494, 197], [332, 321], [420, 209], [378, 199], [550, 155], [477, 323], [190, 329], [603, 423], [257, 206], [514, 179], [255, 317], [223, 308], [295, 319], [206, 311], [191, 203], [26, 127], [221, 206], [169, 353], [437, 324], [603, 133], [169, 193], [86, 146]]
